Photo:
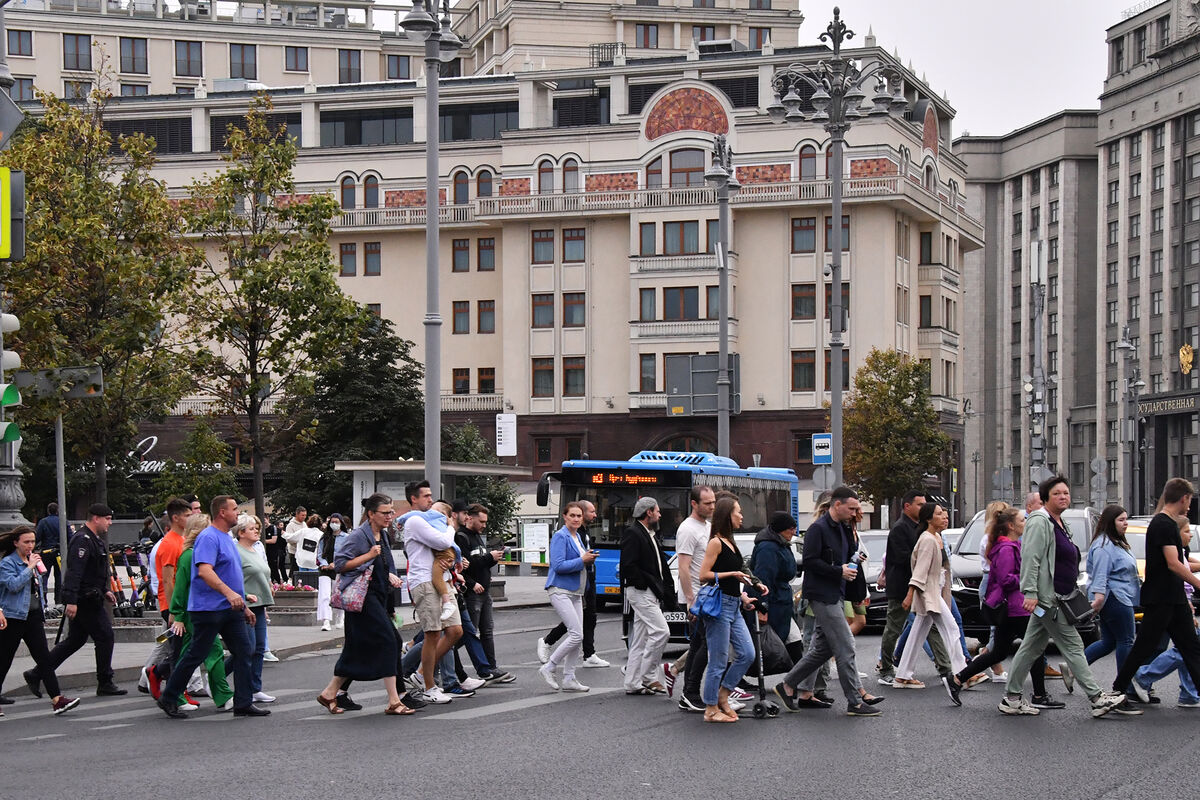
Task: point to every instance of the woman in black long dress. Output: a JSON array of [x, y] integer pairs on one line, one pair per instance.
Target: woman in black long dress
[[370, 650]]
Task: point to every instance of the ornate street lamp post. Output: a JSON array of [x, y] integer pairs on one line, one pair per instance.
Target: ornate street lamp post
[[721, 176]]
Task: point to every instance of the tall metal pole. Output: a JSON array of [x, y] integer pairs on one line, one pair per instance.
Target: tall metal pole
[[61, 480], [837, 322], [433, 317], [722, 175], [1037, 441]]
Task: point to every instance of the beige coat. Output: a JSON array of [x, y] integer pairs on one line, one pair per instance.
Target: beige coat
[[927, 570]]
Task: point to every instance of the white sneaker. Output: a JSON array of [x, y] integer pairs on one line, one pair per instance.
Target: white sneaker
[[548, 677], [736, 705], [543, 650], [341, 623], [435, 695], [226, 706], [448, 610], [572, 685], [415, 682], [263, 697], [269, 656], [595, 661], [326, 626], [186, 706], [471, 684]]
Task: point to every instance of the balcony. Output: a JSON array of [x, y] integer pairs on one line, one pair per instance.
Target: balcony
[[204, 405], [700, 262], [407, 216], [344, 14], [472, 402], [937, 337], [938, 273], [647, 400], [679, 329]]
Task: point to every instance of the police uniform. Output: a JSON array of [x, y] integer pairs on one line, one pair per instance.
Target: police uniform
[[85, 587]]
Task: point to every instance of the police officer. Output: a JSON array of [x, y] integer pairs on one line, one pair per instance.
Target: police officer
[[85, 590]]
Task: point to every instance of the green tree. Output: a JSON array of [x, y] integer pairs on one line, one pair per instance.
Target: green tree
[[104, 279], [203, 468], [268, 300], [464, 444], [891, 434], [364, 402]]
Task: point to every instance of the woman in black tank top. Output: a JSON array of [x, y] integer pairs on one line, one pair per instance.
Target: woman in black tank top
[[723, 566]]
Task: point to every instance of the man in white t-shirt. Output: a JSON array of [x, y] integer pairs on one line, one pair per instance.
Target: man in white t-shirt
[[691, 540], [292, 534]]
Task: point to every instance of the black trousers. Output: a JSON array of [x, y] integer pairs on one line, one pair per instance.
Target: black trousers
[[697, 660], [589, 627], [1176, 621], [1003, 645], [275, 556], [91, 622], [32, 632]]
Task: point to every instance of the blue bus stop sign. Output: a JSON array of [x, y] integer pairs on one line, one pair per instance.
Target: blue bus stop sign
[[822, 448]]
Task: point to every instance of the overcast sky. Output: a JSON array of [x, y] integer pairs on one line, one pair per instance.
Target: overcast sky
[[1002, 64]]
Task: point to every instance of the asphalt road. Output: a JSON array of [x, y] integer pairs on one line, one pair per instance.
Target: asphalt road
[[524, 741]]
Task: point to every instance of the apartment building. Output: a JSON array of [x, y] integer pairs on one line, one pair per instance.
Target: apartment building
[[577, 233]]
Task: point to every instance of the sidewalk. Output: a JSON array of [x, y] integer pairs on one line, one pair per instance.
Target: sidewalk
[[79, 671]]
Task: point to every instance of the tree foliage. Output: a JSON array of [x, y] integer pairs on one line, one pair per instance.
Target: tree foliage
[[268, 299], [103, 281], [203, 468], [364, 402], [891, 434], [464, 444]]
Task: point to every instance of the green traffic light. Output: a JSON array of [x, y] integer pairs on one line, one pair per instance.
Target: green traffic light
[[9, 432]]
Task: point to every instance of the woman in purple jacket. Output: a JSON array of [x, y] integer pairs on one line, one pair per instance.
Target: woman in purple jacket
[[1004, 600]]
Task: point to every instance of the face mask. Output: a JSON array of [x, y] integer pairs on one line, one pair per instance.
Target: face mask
[[335, 526]]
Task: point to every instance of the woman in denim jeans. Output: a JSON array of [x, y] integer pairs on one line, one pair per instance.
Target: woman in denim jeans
[[1114, 585], [723, 566]]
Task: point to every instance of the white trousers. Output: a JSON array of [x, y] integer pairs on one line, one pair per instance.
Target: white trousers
[[647, 638], [324, 590], [946, 626], [570, 649]]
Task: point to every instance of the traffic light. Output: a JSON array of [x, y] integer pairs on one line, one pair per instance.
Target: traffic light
[[9, 394]]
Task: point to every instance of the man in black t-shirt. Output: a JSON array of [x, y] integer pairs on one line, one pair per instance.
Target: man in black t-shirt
[[1164, 603]]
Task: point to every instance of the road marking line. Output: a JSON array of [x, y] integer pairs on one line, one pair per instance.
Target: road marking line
[[111, 727], [517, 705], [276, 708], [43, 736]]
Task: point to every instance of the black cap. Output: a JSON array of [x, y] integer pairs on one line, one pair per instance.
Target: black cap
[[782, 521], [458, 506], [99, 510]]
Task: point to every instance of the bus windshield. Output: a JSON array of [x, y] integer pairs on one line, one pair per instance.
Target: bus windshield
[[614, 511]]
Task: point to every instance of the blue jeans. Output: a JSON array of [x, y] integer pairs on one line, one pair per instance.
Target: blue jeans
[[259, 632], [231, 626], [962, 637], [721, 632], [475, 649], [1116, 632], [1163, 665]]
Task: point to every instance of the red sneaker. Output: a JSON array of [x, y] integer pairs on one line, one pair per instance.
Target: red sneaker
[[187, 698], [669, 679], [154, 681]]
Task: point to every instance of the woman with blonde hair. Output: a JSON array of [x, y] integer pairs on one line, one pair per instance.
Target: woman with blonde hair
[[214, 662], [256, 577]]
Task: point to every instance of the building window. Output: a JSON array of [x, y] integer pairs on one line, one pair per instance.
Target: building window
[[76, 90], [375, 309], [486, 254], [1191, 295], [461, 314], [295, 59], [348, 193], [133, 55], [574, 376], [543, 382], [1035, 218], [461, 378], [759, 37], [647, 372], [1114, 192], [543, 247], [1135, 185], [483, 183], [1156, 383], [804, 371], [654, 173], [804, 301], [486, 316], [704, 3], [1052, 287], [1193, 167], [22, 89], [1052, 249], [703, 33], [1052, 324], [845, 234], [542, 446], [681, 238], [808, 163], [1035, 182], [461, 259], [185, 91], [1164, 32], [1052, 212], [574, 310], [372, 259], [77, 51], [1135, 267], [804, 235], [687, 167], [1135, 146], [646, 235], [243, 61], [1156, 345], [570, 176], [712, 234], [1114, 273], [1192, 209], [348, 257], [542, 315], [926, 311], [545, 178], [1114, 232], [1135, 226], [1112, 312], [1156, 302], [349, 66], [1156, 220], [646, 36], [462, 189], [20, 43], [189, 59], [712, 302], [486, 378], [1053, 175], [845, 369], [1158, 178], [134, 90], [397, 68], [681, 302], [646, 305], [1156, 262], [1114, 153], [370, 192], [574, 244], [845, 298]]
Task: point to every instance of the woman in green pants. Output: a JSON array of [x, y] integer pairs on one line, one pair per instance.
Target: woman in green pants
[[214, 662]]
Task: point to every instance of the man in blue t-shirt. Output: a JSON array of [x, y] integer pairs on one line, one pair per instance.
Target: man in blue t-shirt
[[217, 606]]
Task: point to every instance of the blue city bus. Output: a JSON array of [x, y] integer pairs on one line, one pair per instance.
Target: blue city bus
[[615, 486]]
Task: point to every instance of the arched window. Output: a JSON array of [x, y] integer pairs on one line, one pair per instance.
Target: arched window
[[930, 180], [654, 174], [370, 192], [829, 164], [545, 177], [570, 176], [808, 163], [687, 167], [347, 192], [462, 189], [483, 184]]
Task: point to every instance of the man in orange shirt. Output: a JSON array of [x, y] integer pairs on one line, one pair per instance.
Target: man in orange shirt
[[165, 558]]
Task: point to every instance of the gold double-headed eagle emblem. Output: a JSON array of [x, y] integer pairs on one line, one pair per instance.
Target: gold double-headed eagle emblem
[[1186, 356]]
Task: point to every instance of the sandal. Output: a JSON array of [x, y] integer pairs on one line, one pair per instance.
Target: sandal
[[330, 705], [718, 716], [907, 683], [398, 709]]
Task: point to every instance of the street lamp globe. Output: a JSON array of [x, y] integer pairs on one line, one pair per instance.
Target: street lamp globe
[[418, 25]]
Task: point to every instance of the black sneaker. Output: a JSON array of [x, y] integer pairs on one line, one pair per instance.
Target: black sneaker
[[499, 677], [790, 701], [952, 689], [1128, 710], [170, 709], [251, 711], [110, 690], [691, 704], [410, 700], [812, 702], [874, 700], [344, 701], [824, 698], [862, 710], [33, 681], [1045, 701]]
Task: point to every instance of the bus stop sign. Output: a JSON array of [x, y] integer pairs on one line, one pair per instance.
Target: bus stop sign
[[822, 448]]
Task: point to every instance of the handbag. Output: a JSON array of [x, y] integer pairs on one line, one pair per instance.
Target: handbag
[[1076, 608], [708, 601], [994, 615], [351, 598]]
